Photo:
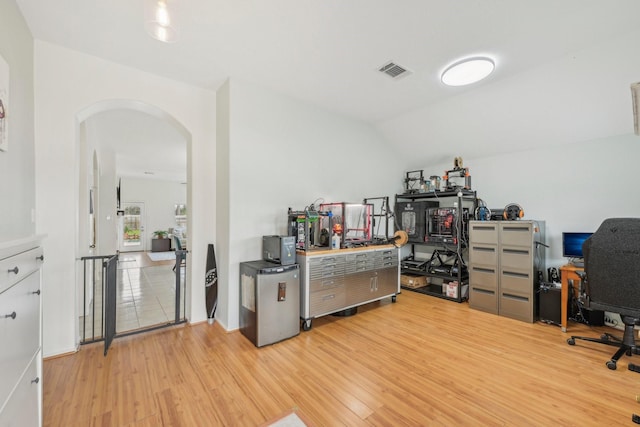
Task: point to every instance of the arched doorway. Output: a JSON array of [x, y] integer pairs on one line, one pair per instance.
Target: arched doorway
[[126, 144]]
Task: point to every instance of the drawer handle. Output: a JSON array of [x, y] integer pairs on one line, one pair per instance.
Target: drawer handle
[[41, 257], [35, 381], [36, 292], [12, 315], [14, 270]]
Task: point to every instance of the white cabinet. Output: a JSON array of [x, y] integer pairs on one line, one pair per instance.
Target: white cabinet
[[20, 333], [335, 280]]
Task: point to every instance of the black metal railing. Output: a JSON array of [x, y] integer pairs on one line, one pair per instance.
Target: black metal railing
[[100, 285], [94, 277]]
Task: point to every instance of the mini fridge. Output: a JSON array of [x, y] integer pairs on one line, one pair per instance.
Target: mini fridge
[[269, 301]]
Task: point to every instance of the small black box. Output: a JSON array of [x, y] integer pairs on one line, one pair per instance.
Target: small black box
[[593, 317], [550, 304]]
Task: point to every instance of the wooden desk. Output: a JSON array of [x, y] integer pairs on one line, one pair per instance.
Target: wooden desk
[[567, 272]]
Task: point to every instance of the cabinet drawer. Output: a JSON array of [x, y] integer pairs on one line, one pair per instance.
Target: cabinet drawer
[[359, 265], [516, 306], [483, 254], [516, 258], [319, 261], [15, 268], [483, 277], [483, 232], [23, 407], [518, 282], [327, 301], [387, 260], [20, 336], [516, 234], [483, 299], [330, 266], [325, 283]]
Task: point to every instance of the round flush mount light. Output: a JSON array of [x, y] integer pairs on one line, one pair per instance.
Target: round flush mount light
[[468, 71]]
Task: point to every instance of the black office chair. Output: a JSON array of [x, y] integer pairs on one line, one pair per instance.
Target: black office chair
[[612, 281]]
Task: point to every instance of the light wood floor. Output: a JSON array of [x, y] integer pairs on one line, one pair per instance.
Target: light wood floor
[[420, 361]]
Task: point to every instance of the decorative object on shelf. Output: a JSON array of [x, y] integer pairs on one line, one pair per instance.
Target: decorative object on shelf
[[400, 238], [160, 234], [512, 212], [457, 171], [482, 213], [4, 104], [414, 182]]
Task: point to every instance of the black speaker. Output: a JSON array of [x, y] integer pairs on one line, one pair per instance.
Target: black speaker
[[553, 274], [550, 304]]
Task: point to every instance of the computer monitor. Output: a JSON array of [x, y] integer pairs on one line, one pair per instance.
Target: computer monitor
[[572, 244]]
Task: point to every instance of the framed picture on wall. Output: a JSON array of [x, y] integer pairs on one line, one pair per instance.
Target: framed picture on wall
[[4, 104]]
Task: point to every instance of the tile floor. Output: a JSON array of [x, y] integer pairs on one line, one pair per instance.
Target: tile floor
[[146, 295]]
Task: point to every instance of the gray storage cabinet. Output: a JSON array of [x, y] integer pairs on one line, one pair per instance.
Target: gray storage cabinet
[[505, 260], [336, 280]]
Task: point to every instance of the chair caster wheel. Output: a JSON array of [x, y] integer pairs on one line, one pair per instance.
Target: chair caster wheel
[[611, 365], [571, 341]]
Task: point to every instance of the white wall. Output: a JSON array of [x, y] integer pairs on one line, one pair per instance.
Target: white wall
[[285, 153], [159, 198], [572, 187], [17, 183], [68, 82]]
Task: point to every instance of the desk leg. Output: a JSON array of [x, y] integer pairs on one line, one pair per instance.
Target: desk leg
[[564, 299]]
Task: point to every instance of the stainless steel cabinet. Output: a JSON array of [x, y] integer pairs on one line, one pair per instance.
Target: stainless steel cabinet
[[335, 280]]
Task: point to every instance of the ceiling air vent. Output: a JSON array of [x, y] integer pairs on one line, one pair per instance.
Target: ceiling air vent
[[394, 70]]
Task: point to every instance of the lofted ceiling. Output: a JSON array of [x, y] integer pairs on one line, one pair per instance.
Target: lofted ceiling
[[328, 52]]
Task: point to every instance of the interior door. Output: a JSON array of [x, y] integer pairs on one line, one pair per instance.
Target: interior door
[[133, 234]]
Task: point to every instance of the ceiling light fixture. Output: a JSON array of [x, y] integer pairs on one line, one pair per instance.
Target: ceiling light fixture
[[159, 22], [468, 71]]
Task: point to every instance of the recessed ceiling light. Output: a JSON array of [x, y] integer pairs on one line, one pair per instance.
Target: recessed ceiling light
[[467, 71]]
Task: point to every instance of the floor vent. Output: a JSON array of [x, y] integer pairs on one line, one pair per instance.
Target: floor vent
[[394, 70]]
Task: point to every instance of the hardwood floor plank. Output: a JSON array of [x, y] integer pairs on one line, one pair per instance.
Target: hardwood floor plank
[[421, 361]]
